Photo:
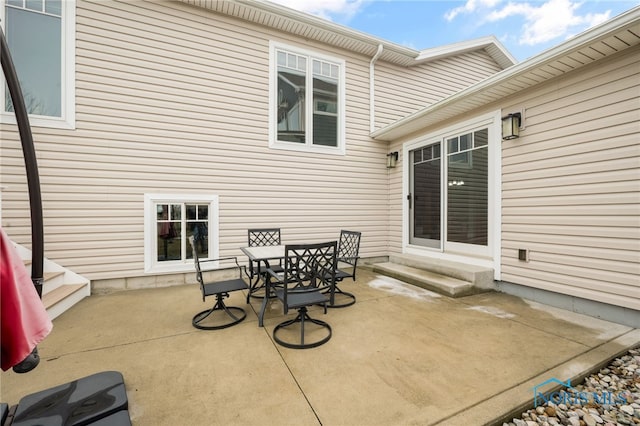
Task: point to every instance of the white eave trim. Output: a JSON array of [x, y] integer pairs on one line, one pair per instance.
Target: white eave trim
[[343, 36], [323, 24], [505, 59], [417, 120]]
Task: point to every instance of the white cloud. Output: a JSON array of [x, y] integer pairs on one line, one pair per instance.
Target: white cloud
[[510, 9], [543, 22], [548, 21], [326, 9], [469, 7]]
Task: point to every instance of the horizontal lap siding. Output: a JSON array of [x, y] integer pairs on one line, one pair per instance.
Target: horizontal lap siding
[[402, 91], [571, 186], [174, 99]]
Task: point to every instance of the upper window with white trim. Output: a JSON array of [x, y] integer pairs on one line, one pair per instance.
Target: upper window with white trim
[[307, 100], [40, 35]]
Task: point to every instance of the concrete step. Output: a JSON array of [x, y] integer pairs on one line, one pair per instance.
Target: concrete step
[[477, 275], [442, 284], [453, 279]]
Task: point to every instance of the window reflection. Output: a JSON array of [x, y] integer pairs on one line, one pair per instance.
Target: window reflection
[[325, 103], [467, 191], [291, 112], [171, 219], [36, 54], [198, 227], [426, 220], [302, 118]]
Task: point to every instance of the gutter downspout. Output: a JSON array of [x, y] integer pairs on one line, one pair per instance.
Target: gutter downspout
[[372, 108]]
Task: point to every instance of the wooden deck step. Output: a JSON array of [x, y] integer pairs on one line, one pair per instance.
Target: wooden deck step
[[55, 296], [51, 275], [47, 275], [62, 287]]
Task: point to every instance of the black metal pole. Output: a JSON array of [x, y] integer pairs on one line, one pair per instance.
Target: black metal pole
[[31, 165]]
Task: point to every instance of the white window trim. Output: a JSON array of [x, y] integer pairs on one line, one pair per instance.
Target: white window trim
[[273, 88], [466, 254], [151, 265], [68, 119]]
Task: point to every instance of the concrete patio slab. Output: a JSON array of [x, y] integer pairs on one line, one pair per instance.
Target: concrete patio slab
[[400, 355]]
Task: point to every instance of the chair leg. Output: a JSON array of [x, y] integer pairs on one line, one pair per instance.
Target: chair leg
[[253, 286], [219, 306], [302, 318], [351, 298], [257, 286], [254, 289]]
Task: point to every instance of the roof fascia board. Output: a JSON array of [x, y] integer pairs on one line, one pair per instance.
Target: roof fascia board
[[620, 23], [467, 46], [505, 59], [323, 24]]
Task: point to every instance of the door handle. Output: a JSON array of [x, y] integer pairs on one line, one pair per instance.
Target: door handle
[[409, 199]]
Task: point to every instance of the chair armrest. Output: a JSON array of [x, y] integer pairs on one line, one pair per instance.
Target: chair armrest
[[274, 274], [353, 260], [234, 258], [274, 278]]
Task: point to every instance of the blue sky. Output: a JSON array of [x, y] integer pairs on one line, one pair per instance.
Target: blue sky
[[525, 28]]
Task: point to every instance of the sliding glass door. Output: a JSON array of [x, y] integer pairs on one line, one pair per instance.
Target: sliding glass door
[[449, 193], [426, 196]]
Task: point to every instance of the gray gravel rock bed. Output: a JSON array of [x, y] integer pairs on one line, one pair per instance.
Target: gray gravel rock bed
[[610, 397]]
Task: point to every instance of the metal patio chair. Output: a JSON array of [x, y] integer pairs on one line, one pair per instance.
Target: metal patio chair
[[348, 255], [219, 289], [307, 279], [255, 238]]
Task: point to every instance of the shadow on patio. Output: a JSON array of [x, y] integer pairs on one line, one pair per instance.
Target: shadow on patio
[[400, 355]]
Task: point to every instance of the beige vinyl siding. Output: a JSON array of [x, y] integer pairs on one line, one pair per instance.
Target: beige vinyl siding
[[174, 99], [571, 185], [402, 91], [396, 201]]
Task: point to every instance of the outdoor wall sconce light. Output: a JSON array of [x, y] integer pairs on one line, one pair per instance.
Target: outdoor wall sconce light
[[392, 159], [511, 126]]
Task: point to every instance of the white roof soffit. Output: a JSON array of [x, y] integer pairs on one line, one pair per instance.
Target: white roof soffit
[[491, 44], [615, 35], [311, 27]]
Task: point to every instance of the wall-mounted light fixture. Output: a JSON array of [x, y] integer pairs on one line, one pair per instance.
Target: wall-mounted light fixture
[[392, 159], [511, 126]]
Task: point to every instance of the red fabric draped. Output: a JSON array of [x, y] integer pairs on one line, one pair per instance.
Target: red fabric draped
[[23, 319]]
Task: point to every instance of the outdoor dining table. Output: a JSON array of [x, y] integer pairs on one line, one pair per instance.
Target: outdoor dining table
[[264, 254]]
